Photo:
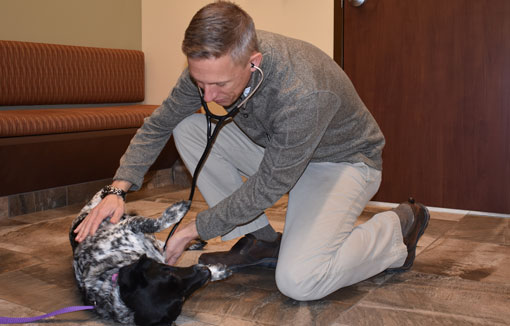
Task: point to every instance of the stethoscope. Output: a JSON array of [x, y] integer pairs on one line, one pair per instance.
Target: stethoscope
[[211, 136]]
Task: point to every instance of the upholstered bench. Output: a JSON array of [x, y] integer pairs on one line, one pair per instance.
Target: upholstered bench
[[67, 113]]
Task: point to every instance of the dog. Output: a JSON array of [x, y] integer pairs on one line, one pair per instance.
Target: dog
[[120, 270]]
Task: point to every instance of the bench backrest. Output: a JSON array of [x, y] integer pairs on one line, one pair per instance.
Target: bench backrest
[[39, 73]]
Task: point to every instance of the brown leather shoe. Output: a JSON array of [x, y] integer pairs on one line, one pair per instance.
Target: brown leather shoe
[[420, 223], [248, 251]]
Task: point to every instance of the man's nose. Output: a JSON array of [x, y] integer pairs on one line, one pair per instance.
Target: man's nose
[[209, 93]]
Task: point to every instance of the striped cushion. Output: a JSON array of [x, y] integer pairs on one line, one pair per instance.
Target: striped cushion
[[37, 73], [53, 121]]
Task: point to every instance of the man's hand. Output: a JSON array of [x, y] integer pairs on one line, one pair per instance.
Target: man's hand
[[111, 206], [178, 242]]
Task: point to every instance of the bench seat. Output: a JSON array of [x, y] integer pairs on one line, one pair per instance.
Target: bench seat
[[67, 114]]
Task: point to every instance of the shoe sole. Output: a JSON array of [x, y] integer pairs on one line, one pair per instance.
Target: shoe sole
[[413, 252]]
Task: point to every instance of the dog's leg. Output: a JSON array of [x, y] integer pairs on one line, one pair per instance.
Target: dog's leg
[[171, 215], [92, 203]]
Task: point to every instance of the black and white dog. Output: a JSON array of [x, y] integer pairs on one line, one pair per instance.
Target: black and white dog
[[121, 271]]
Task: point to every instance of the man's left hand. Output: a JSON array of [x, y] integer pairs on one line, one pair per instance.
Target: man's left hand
[[176, 245]]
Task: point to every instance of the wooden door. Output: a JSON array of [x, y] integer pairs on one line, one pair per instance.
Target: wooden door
[[436, 76]]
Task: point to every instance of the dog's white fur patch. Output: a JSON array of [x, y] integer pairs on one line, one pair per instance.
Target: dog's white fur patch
[[219, 272]]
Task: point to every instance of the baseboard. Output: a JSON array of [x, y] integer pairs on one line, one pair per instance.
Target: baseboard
[[441, 210]]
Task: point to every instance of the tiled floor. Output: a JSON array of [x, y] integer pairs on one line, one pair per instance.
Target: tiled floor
[[461, 276]]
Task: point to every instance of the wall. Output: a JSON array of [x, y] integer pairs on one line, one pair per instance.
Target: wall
[[164, 23], [98, 23]]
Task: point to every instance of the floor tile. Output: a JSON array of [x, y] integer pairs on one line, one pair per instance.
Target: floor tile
[[40, 238], [376, 315], [422, 299], [258, 305], [436, 230], [23, 289], [51, 214], [9, 225], [146, 194], [483, 229], [461, 275], [12, 260], [56, 271], [17, 311], [440, 215], [252, 295], [198, 320], [13, 310], [146, 208], [470, 260]]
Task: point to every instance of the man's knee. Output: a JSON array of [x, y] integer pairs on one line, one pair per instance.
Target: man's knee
[[297, 283], [309, 278], [189, 127]]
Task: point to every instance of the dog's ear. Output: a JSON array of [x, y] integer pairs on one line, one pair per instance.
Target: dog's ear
[[133, 276], [173, 311], [143, 259], [159, 314]]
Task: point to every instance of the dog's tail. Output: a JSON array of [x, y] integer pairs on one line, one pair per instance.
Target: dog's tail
[[170, 216], [174, 213]]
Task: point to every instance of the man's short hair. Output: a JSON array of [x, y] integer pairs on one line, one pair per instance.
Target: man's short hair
[[218, 29]]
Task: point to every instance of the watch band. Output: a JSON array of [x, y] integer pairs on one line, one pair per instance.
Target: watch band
[[111, 190]]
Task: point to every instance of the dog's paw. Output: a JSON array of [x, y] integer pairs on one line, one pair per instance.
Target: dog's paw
[[219, 272], [197, 244]]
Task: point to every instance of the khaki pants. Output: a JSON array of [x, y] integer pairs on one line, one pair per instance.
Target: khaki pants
[[321, 250]]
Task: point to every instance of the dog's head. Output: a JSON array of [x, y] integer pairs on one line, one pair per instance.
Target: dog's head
[[155, 292]]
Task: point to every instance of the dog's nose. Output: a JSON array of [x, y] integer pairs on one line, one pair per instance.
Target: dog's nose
[[202, 269]]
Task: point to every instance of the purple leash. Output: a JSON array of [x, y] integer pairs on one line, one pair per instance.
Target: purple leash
[[8, 320]]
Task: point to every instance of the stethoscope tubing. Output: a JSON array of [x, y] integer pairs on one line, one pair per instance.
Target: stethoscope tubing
[[211, 136]]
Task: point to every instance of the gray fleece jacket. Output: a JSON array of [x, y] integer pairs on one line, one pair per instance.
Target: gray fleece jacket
[[306, 110]]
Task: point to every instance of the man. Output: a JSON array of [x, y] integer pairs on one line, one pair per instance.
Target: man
[[304, 132]]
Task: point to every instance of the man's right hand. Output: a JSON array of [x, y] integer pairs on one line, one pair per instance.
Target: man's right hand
[[112, 206]]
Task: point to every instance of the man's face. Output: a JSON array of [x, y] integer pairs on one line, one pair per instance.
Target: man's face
[[221, 79]]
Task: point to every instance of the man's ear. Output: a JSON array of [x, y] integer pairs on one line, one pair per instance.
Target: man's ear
[[255, 59]]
